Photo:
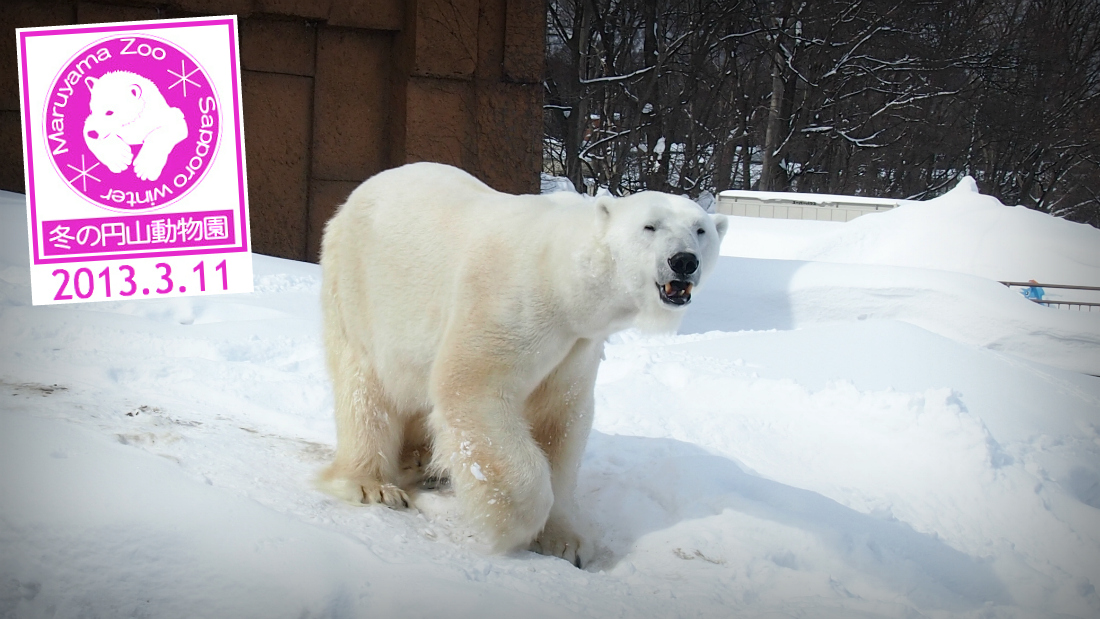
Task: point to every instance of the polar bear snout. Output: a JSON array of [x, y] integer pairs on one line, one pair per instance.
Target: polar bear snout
[[684, 263], [676, 291]]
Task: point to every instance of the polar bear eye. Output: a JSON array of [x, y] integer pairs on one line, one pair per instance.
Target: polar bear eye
[[110, 112], [700, 232], [650, 227]]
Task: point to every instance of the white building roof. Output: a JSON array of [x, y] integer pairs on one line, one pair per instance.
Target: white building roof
[[809, 198]]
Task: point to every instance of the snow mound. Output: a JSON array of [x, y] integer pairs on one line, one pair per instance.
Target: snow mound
[[961, 231]]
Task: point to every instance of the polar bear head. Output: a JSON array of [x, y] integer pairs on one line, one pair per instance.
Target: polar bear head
[[663, 247], [117, 99]]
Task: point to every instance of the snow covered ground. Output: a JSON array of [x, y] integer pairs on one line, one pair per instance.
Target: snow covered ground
[[855, 421]]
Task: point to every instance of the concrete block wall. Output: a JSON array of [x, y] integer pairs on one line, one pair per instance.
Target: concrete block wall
[[338, 90]]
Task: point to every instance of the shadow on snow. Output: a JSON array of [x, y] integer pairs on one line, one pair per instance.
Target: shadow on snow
[[633, 486]]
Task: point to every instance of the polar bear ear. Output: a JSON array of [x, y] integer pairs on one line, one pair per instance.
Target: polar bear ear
[[721, 223], [90, 82], [604, 205], [135, 91]]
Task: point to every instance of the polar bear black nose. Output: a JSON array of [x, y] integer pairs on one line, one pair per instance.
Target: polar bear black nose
[[93, 134], [683, 263]]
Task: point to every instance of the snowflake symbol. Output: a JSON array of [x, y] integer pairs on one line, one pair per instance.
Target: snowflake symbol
[[184, 77], [83, 173]]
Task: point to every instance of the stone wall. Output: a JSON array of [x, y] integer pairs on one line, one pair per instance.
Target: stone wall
[[338, 90]]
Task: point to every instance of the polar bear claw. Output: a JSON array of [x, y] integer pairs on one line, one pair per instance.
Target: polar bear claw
[[557, 540]]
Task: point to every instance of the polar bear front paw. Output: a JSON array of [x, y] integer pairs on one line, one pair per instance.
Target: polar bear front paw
[[112, 152], [562, 541], [149, 164]]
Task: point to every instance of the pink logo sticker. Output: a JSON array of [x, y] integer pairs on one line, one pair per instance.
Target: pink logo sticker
[[131, 123]]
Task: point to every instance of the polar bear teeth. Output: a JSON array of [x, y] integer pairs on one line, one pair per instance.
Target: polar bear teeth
[[676, 292]]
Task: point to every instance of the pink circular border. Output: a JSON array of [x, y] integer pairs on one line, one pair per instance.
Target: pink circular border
[[193, 120]]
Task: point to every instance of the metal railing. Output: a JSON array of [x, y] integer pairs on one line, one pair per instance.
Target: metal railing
[[1081, 306]]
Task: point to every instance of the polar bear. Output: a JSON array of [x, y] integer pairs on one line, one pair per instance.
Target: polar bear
[[128, 109], [463, 329]]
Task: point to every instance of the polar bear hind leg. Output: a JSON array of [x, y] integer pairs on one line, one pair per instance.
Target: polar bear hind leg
[[370, 459]]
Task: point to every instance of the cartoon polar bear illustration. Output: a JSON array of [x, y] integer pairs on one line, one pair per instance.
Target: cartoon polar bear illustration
[[464, 327], [128, 110]]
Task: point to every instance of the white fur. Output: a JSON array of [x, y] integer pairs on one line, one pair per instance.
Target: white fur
[[469, 324], [128, 109]]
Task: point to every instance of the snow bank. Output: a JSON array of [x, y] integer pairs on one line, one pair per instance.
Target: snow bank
[[785, 294], [961, 231]]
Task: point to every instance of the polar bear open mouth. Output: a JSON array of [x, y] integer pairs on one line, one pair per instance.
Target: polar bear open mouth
[[676, 292]]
